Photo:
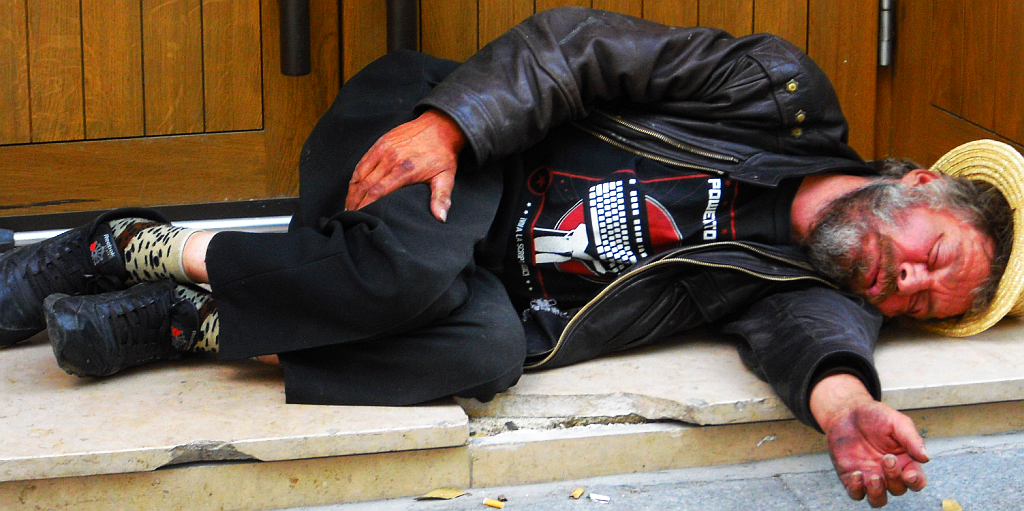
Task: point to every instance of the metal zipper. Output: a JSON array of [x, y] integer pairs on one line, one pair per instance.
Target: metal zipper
[[648, 155], [678, 144], [632, 275], [744, 246]]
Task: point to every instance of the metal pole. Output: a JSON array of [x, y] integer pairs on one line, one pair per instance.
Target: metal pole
[[403, 25], [294, 37], [252, 224], [886, 31]]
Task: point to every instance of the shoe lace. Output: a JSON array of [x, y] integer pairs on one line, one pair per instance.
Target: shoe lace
[[64, 265], [141, 322], [55, 268]]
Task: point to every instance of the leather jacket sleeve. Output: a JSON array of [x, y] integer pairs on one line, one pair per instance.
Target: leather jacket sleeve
[[556, 65], [799, 337]]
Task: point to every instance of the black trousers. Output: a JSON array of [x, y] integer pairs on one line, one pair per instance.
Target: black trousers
[[381, 306]]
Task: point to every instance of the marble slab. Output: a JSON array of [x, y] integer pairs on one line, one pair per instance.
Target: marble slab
[[56, 425], [701, 380]]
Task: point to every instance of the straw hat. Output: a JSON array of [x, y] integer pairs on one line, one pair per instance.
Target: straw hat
[[1001, 165]]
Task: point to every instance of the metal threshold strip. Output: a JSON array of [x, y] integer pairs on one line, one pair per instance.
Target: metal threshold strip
[[264, 215], [256, 224]]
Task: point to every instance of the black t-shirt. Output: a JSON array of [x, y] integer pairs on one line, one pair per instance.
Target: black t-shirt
[[589, 210]]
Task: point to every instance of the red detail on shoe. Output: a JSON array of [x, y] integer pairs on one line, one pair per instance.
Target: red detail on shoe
[[92, 247], [175, 332]]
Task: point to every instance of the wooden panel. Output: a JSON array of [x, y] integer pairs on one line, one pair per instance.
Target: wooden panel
[[733, 16], [449, 28], [364, 33], [232, 65], [979, 28], [842, 39], [786, 18], [295, 103], [55, 70], [631, 7], [173, 64], [679, 13], [1009, 61], [112, 68], [15, 126], [187, 168], [543, 5], [983, 91], [919, 129], [107, 172], [497, 16], [947, 89]]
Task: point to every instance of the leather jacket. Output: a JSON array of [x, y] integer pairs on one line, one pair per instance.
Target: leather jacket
[[753, 109]]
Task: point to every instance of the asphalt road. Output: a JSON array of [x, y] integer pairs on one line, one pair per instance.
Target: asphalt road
[[981, 473]]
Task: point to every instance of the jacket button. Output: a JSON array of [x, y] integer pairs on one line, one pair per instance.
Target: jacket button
[[797, 132], [792, 86], [801, 116]]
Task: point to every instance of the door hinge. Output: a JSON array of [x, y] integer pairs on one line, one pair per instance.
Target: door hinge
[[886, 31]]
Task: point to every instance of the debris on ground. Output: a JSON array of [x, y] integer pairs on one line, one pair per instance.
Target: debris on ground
[[951, 505], [494, 503], [442, 494]]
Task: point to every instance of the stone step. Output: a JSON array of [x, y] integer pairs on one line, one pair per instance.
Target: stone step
[[203, 435], [700, 379], [56, 425]]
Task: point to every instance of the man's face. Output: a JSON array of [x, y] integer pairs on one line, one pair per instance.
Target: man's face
[[920, 262]]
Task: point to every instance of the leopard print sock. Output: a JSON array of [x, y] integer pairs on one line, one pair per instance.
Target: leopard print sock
[[207, 340], [152, 251]]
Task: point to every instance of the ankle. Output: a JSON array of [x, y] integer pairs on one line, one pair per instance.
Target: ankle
[[193, 257]]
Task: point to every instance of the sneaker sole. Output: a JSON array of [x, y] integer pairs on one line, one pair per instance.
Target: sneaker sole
[[67, 338]]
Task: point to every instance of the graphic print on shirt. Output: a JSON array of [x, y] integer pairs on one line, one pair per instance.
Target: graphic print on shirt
[[617, 221]]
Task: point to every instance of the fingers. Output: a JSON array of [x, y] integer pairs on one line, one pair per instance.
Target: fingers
[[375, 177], [377, 170], [441, 194], [855, 486], [913, 476], [893, 475], [357, 185], [876, 490], [897, 476], [906, 434]]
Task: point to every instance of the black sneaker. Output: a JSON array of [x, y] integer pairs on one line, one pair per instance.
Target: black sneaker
[[83, 260], [99, 335]]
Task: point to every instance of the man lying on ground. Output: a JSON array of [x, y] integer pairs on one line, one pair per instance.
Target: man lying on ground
[[586, 183]]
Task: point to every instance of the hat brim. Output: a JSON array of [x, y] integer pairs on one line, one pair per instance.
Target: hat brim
[[1002, 166]]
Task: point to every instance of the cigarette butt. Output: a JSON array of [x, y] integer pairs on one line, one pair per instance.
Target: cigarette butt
[[577, 493], [494, 503]]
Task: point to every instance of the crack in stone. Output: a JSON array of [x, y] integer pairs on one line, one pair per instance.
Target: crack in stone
[[206, 450]]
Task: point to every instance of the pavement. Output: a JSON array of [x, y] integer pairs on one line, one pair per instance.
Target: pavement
[[980, 473]]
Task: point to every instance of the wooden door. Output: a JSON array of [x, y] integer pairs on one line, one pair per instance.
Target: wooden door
[[958, 76], [110, 103], [113, 103]]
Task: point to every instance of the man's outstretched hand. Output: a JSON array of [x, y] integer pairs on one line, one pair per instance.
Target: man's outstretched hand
[[424, 150], [875, 449]]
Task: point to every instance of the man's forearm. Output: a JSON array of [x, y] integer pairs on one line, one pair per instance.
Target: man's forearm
[[797, 335]]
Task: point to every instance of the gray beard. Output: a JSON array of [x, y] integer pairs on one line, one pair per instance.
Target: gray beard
[[834, 245]]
